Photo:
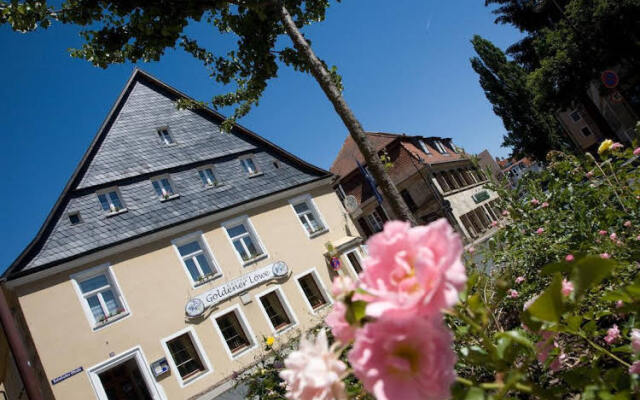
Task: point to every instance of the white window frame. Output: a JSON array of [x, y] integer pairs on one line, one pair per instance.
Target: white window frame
[[244, 220], [106, 192], [162, 197], [204, 245], [217, 182], [243, 323], [360, 258], [252, 157], [313, 209], [423, 147], [440, 147], [161, 136], [323, 290], [197, 345], [107, 270], [135, 353], [285, 305], [371, 216]]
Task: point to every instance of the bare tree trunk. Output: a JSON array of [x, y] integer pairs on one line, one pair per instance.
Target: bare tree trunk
[[399, 207]]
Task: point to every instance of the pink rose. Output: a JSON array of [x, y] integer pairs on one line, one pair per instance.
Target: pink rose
[[505, 212], [544, 346], [619, 304], [602, 232], [636, 152], [616, 146], [405, 359], [613, 236], [627, 224], [314, 372], [494, 223], [590, 174], [635, 340], [569, 258], [339, 325], [513, 293], [540, 231], [520, 279], [342, 286], [605, 255], [535, 201], [619, 243], [635, 368], [613, 334], [638, 237], [471, 250], [545, 205], [413, 271], [556, 365], [567, 287]]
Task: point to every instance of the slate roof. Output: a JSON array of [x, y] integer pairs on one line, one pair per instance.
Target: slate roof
[[127, 151]]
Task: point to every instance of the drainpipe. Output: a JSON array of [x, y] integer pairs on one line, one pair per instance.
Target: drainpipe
[[18, 349]]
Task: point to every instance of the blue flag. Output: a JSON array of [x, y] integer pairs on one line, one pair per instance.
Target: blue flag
[[370, 181]]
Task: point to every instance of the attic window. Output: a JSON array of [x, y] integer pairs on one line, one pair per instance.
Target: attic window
[[74, 218], [440, 147], [110, 201], [163, 188], [249, 165], [424, 147], [165, 136]]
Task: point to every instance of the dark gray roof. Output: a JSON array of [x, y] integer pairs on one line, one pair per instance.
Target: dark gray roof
[[127, 152]]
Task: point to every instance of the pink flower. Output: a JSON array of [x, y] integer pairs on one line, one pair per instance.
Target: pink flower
[[494, 223], [627, 224], [513, 293], [342, 285], [619, 304], [540, 231], [638, 237], [619, 243], [505, 212], [556, 365], [472, 249], [635, 340], [339, 325], [636, 152], [569, 258], [545, 205], [613, 236], [544, 346], [590, 174], [616, 146], [602, 232], [520, 279], [405, 359], [605, 255], [535, 201], [567, 287], [314, 372], [635, 368], [613, 334], [413, 271]]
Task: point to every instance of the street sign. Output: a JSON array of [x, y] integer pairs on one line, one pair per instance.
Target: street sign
[[610, 79], [616, 97]]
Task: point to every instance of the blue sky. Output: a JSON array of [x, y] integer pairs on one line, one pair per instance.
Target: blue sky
[[405, 68]]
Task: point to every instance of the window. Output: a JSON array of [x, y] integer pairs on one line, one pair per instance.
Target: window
[[440, 147], [74, 218], [165, 136], [308, 215], [249, 165], [409, 200], [354, 260], [196, 258], [208, 177], [277, 310], [243, 238], [309, 285], [163, 188], [575, 116], [377, 219], [100, 296], [276, 164], [186, 356], [234, 332], [110, 201], [586, 131], [423, 146], [340, 192]]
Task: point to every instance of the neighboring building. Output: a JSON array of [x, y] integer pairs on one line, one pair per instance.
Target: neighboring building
[[515, 170], [434, 180], [173, 251], [487, 162], [581, 128]]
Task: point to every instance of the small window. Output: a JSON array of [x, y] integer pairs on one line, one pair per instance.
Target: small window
[[278, 314], [197, 259], [375, 221], [354, 260], [244, 240], [312, 291], [424, 147], [233, 332], [74, 218], [276, 164], [163, 188], [100, 296], [409, 200], [110, 201], [575, 116], [185, 356], [586, 131], [308, 215], [440, 147], [165, 136], [208, 177], [249, 165]]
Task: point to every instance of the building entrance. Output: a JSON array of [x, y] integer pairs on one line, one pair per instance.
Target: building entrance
[[125, 382]]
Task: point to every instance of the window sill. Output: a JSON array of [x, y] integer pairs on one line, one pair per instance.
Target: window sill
[[322, 307], [241, 351], [284, 329], [172, 197], [114, 213], [318, 233], [256, 174], [206, 279], [254, 259], [111, 320]]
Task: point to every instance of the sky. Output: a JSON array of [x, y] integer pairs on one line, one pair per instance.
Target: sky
[[405, 68]]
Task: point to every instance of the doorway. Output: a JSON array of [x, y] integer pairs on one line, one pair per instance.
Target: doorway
[[124, 381]]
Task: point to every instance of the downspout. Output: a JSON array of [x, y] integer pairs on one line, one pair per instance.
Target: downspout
[[18, 349]]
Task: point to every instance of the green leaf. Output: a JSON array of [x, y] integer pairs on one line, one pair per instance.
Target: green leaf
[[548, 306], [590, 271], [474, 393], [551, 269], [517, 337], [355, 312]]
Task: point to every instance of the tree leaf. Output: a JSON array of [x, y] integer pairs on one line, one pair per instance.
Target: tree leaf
[[548, 306], [590, 271], [355, 311]]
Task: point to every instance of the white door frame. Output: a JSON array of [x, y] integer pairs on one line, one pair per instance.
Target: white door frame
[[135, 353]]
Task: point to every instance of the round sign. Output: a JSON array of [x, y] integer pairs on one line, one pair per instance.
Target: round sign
[[610, 79], [335, 263], [351, 203], [280, 268], [194, 308]]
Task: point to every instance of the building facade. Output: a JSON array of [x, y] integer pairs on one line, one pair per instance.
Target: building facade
[[435, 180], [514, 170], [174, 250]]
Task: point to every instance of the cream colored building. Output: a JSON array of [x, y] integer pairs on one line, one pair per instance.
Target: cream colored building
[[173, 252]]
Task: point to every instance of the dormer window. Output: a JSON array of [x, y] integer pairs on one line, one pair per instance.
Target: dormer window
[[440, 147], [111, 202], [423, 146], [165, 136], [164, 189], [208, 177], [249, 165]]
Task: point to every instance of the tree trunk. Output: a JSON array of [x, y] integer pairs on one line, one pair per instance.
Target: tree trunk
[[399, 207]]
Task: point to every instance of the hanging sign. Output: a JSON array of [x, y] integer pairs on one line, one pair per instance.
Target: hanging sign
[[196, 305], [610, 79]]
